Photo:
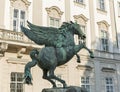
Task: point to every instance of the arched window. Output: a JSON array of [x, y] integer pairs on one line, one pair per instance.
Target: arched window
[[19, 10], [81, 20], [54, 16], [104, 39]]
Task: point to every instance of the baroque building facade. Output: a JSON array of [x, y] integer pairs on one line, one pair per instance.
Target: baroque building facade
[[98, 19]]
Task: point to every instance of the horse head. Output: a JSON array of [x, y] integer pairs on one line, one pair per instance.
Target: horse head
[[77, 30]]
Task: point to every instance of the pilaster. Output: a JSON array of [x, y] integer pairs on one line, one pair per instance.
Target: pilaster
[[92, 23], [2, 13], [118, 76], [113, 22], [97, 76], [67, 10], [37, 12]]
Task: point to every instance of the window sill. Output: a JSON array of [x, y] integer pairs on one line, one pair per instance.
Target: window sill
[[80, 4], [101, 11]]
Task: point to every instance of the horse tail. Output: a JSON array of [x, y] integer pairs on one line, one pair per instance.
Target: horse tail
[[27, 72], [34, 53]]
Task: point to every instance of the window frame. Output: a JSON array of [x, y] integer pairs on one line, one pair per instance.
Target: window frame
[[18, 20], [109, 84], [86, 83], [16, 82], [103, 39], [79, 1], [54, 22], [101, 5], [84, 31]]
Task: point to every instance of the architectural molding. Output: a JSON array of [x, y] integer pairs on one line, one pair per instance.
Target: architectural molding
[[81, 16], [49, 10], [106, 69], [17, 60], [3, 48], [84, 67], [19, 53], [27, 3], [103, 22]]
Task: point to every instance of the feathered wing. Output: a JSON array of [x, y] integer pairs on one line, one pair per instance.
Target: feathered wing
[[41, 35]]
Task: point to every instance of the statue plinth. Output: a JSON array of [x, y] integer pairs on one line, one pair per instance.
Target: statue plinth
[[67, 89]]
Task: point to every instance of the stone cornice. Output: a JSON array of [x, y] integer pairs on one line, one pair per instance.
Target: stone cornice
[[106, 69], [81, 16], [25, 1], [84, 67], [103, 21], [55, 8]]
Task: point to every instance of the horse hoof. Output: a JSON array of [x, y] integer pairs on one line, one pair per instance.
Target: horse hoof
[[54, 86], [92, 56], [78, 61], [64, 85]]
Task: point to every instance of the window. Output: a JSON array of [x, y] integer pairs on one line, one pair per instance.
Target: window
[[102, 4], [54, 22], [109, 84], [54, 16], [16, 84], [104, 40], [18, 19], [82, 21], [79, 1], [83, 30], [85, 83]]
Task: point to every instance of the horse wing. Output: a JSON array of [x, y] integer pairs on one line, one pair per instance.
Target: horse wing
[[41, 35]]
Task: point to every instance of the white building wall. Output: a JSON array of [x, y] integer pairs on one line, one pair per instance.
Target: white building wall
[[69, 71]]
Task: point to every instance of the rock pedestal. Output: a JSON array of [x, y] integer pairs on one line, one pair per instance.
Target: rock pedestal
[[67, 89]]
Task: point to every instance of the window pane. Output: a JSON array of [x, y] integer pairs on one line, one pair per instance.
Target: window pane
[[79, 1], [82, 80], [22, 15], [19, 87], [56, 23], [12, 76], [102, 4], [51, 21], [19, 77], [87, 80], [16, 13]]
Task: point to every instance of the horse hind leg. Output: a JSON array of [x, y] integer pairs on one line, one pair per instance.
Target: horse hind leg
[[52, 76], [48, 78]]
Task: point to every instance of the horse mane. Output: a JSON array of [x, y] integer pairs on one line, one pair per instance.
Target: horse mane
[[65, 26]]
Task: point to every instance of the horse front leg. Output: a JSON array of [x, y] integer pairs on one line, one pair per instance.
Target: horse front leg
[[78, 58], [91, 53]]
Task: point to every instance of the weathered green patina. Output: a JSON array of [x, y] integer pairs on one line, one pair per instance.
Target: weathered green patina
[[59, 48]]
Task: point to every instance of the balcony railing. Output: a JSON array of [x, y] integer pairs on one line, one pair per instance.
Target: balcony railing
[[13, 36]]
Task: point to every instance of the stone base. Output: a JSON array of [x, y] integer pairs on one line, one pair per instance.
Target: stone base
[[67, 89]]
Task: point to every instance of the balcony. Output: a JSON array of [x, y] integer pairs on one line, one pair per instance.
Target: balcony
[[12, 41], [8, 35]]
